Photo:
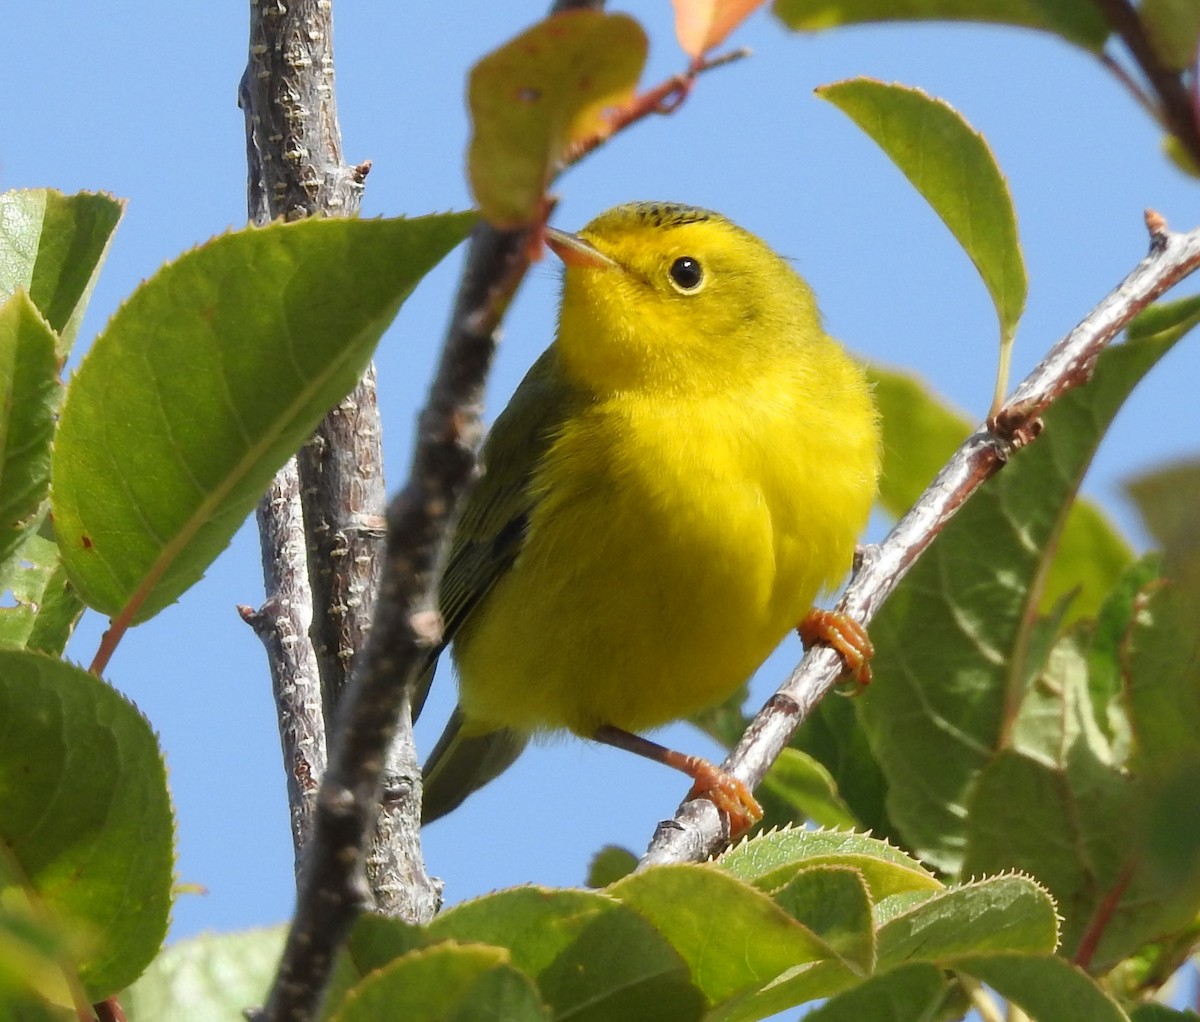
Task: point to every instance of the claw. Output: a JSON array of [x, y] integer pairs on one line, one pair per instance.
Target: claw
[[844, 634]]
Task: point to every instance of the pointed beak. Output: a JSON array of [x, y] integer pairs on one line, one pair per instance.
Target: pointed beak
[[574, 251]]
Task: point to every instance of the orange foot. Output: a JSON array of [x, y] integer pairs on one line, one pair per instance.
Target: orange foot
[[727, 793], [845, 635]]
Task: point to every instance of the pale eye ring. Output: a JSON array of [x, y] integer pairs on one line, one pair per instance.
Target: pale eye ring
[[687, 274]]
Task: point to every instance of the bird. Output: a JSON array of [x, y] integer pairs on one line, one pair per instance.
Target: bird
[[675, 481]]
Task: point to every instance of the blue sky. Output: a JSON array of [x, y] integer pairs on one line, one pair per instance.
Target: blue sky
[[140, 100]]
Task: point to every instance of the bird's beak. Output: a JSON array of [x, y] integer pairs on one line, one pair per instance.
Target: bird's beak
[[574, 251]]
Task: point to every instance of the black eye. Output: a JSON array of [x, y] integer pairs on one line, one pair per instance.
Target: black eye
[[687, 273]]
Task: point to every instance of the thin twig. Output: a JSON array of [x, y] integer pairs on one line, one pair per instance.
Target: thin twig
[[1102, 918], [1132, 86], [1178, 112], [664, 98], [282, 624], [697, 831]]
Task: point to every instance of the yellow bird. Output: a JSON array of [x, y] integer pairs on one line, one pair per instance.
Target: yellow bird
[[677, 478]]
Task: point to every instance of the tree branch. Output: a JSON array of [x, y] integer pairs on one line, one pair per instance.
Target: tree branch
[[1178, 112], [282, 624], [697, 831], [406, 627], [296, 169]]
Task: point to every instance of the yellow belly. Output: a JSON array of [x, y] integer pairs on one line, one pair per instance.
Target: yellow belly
[[663, 564]]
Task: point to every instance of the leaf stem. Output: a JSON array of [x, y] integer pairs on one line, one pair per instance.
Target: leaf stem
[[1102, 917]]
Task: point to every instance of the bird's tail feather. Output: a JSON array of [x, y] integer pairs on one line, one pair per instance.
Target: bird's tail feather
[[462, 763]]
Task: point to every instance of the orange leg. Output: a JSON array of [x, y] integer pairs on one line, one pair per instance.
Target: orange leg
[[727, 793], [846, 636]]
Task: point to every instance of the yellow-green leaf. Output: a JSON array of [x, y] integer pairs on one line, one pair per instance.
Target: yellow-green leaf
[[85, 818], [442, 983], [1174, 28], [1078, 23], [203, 384], [538, 93], [952, 167], [733, 937], [52, 245]]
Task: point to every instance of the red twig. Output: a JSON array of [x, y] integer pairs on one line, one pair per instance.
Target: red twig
[[665, 98], [1102, 917]]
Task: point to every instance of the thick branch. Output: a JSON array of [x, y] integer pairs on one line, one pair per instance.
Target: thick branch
[[696, 832], [296, 169], [406, 627]]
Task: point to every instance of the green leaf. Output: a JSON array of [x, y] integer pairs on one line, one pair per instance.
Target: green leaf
[[203, 384], [908, 993], [834, 738], [29, 393], [920, 432], [1106, 653], [36, 980], [802, 783], [620, 967], [1062, 806], [375, 940], [1167, 499], [1151, 1012], [536, 95], [85, 813], [1162, 678], [447, 982], [610, 864], [217, 977], [1173, 831], [1004, 913], [834, 902], [52, 245], [770, 861], [1165, 321], [799, 986], [535, 924], [733, 937], [46, 608], [591, 956], [1078, 23], [1046, 988], [950, 164], [1174, 30], [1089, 558], [951, 641]]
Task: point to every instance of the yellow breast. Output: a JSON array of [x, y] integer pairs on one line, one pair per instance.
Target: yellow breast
[[673, 544]]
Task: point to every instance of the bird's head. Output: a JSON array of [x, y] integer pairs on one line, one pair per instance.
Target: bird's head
[[672, 298]]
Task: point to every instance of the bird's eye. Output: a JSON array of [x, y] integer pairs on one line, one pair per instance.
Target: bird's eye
[[687, 273]]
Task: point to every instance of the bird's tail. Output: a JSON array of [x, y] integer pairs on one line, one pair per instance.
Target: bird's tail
[[462, 763]]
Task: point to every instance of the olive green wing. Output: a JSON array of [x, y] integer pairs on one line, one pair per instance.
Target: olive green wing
[[491, 528], [487, 540]]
